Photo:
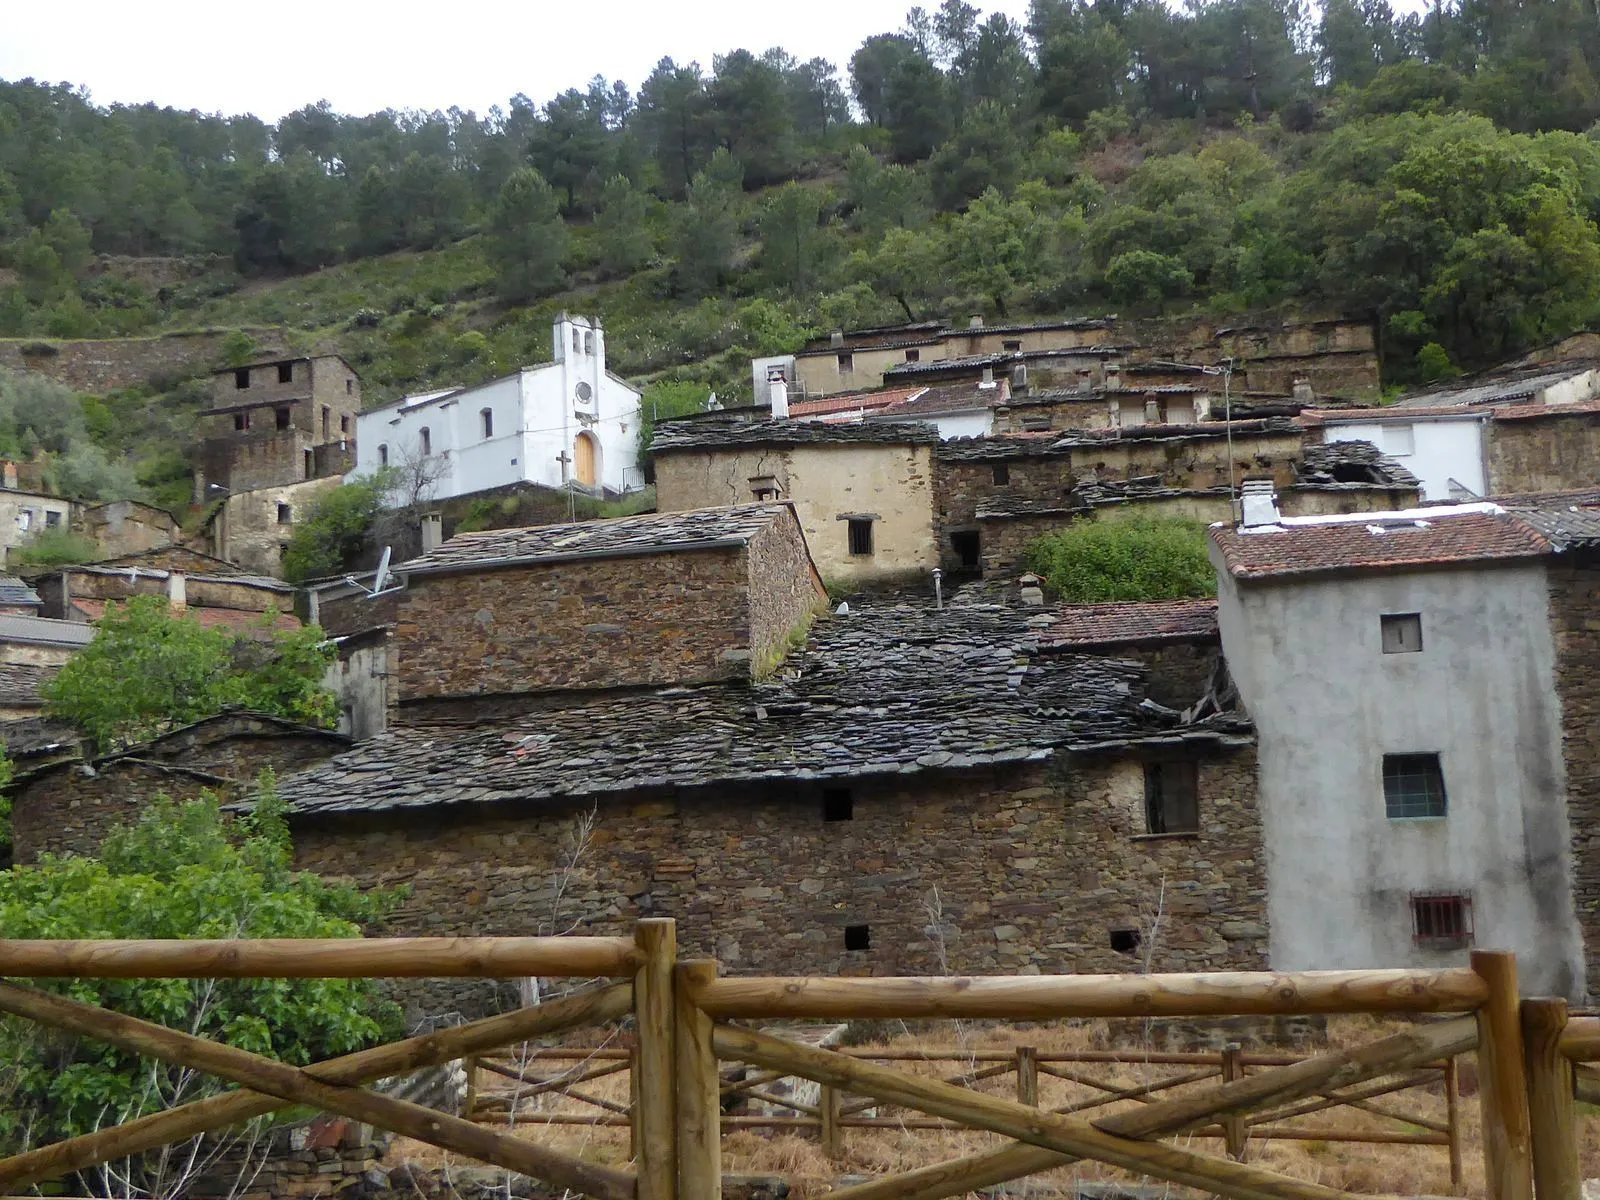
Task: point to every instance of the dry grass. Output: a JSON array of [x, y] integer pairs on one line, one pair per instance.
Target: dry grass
[[795, 1153]]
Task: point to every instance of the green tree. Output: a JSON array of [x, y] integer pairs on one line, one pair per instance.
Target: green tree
[[707, 233], [624, 242], [337, 527], [905, 266], [1145, 279], [794, 241], [527, 242], [1131, 558], [149, 670], [668, 398], [752, 117], [181, 871], [993, 247]]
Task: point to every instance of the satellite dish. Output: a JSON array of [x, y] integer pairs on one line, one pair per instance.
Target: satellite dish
[[380, 578]]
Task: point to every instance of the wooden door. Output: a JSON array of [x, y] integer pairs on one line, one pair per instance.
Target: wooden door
[[586, 452]]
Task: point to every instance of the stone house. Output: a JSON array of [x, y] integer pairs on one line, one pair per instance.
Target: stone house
[[66, 805], [40, 641], [218, 597], [663, 598], [25, 514], [995, 496], [275, 422], [252, 529], [1424, 686], [1176, 640], [127, 527], [863, 492], [803, 822], [567, 422]]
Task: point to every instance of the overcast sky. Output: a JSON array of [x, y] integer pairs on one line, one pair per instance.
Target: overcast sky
[[270, 59]]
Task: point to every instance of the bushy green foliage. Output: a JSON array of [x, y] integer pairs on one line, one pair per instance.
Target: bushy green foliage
[[1134, 558], [180, 871], [54, 548], [336, 527], [149, 670], [527, 238]]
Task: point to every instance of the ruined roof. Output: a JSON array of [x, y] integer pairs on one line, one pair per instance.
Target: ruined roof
[[888, 691], [850, 402], [620, 537], [1350, 464], [1196, 431], [239, 620], [997, 358], [1092, 494], [1082, 625], [1040, 444], [20, 684], [1410, 538], [706, 435], [37, 737], [950, 398], [15, 593]]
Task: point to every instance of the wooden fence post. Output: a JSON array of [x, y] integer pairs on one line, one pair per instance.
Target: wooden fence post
[[699, 1089], [1452, 1106], [1502, 1091], [1233, 1127], [1028, 1075], [1552, 1110], [832, 1131], [470, 1103], [654, 1116], [633, 1102]]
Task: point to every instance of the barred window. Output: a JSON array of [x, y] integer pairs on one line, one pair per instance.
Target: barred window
[[1441, 921]]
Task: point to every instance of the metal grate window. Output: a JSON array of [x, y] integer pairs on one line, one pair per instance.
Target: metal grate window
[[1413, 786], [860, 535], [1441, 921]]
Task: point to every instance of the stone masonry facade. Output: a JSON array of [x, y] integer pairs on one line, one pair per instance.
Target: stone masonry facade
[[1575, 625], [102, 365], [1020, 870], [1542, 454]]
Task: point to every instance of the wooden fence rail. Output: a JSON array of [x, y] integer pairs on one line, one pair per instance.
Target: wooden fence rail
[[1530, 1064]]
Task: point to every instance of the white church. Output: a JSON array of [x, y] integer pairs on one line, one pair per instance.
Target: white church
[[567, 422]]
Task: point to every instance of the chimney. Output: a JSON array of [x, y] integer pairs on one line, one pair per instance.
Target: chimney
[[1259, 504], [177, 591], [988, 378], [1019, 378], [432, 531], [10, 476], [1113, 377], [778, 398], [836, 338], [1303, 393], [975, 321]]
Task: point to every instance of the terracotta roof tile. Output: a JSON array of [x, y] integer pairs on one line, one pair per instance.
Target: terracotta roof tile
[[1125, 624], [237, 619], [851, 402]]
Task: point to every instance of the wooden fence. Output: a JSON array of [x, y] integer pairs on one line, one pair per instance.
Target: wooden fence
[[1529, 1055]]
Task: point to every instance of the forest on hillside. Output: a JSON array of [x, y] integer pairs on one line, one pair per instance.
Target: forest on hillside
[[1440, 172]]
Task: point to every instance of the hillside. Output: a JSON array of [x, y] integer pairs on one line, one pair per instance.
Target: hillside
[[1435, 173]]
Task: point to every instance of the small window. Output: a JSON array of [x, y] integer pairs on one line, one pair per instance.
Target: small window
[[576, 345], [847, 362], [285, 514], [1171, 797], [838, 804], [349, 386], [241, 422], [1441, 921], [858, 937], [426, 439], [1035, 424], [1125, 941], [966, 544], [1002, 474], [308, 461], [1399, 440], [25, 520], [241, 378], [1413, 786], [488, 423], [285, 372], [860, 535], [1011, 344], [52, 520], [383, 456], [327, 420], [281, 416], [588, 343], [344, 425], [913, 355], [1402, 632]]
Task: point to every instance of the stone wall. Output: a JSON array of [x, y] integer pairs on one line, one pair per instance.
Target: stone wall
[[1034, 867], [1575, 626], [24, 515], [103, 365], [1543, 454], [253, 528], [1179, 671], [1027, 415], [258, 458], [785, 591], [647, 619], [62, 809], [127, 527]]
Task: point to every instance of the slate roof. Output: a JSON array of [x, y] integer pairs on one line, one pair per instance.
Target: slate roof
[[702, 435], [15, 593], [43, 631], [1084, 625], [1001, 445], [1322, 465], [1570, 527], [20, 683], [951, 398], [997, 358], [1199, 431], [1495, 387], [1418, 537], [620, 537], [887, 691], [36, 737]]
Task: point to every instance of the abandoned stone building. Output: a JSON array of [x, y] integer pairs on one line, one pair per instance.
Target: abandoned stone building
[[803, 822], [863, 492], [67, 803], [213, 591], [996, 495], [127, 527], [1425, 687]]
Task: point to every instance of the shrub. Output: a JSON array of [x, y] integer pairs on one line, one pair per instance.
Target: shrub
[[1134, 558], [54, 548]]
